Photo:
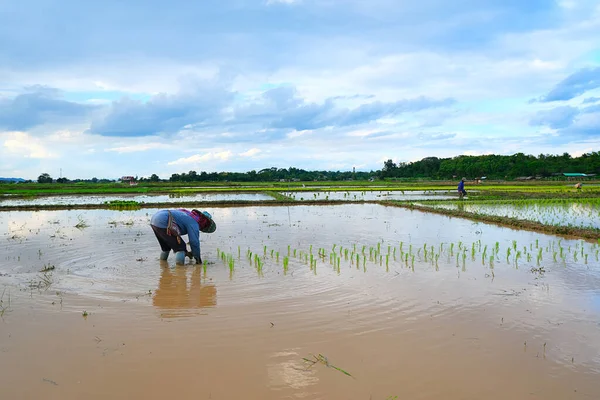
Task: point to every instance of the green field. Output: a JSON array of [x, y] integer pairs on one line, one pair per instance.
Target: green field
[[489, 187]]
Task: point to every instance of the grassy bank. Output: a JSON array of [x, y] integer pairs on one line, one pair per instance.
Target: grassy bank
[[508, 188]]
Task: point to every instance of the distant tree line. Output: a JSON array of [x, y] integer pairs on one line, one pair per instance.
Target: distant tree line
[[493, 166], [490, 166], [46, 178], [270, 175]]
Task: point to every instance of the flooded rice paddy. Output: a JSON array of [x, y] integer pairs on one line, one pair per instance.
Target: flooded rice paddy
[[102, 199], [572, 214], [372, 195], [384, 303]]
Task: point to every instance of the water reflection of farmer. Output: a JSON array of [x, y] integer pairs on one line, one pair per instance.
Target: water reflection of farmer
[[170, 225], [176, 293], [461, 188]]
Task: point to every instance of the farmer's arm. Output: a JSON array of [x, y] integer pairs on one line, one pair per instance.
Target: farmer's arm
[[193, 231]]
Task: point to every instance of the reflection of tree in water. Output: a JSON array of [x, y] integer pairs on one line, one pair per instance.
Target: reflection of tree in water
[[180, 292]]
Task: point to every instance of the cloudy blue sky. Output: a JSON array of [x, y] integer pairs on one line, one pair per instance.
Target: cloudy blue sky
[[112, 88]]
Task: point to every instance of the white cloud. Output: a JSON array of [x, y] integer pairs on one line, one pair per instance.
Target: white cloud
[[250, 153], [201, 158], [135, 75], [138, 147], [363, 132], [295, 134], [27, 146], [65, 135]]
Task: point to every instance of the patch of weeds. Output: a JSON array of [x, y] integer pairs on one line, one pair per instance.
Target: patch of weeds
[[48, 268], [42, 282], [85, 314], [321, 359], [82, 224], [539, 270], [123, 205], [279, 196], [4, 307]]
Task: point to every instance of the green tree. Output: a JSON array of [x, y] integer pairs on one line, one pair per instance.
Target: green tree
[[44, 178], [389, 168]]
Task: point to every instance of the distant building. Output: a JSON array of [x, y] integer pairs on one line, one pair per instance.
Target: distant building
[[577, 175], [129, 179]]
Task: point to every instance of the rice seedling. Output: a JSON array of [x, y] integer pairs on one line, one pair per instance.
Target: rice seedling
[[48, 268], [321, 359], [286, 261], [82, 224], [4, 307]]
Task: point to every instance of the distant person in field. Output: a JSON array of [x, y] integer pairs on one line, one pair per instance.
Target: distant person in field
[[170, 225], [461, 188], [578, 186]]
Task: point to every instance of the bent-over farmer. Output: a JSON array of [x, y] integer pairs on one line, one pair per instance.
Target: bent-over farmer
[[170, 225]]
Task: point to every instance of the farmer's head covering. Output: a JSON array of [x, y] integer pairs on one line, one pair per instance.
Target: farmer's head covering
[[200, 217], [212, 226], [464, 179]]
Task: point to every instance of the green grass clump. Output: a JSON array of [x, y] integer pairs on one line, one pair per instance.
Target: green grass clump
[[123, 204]]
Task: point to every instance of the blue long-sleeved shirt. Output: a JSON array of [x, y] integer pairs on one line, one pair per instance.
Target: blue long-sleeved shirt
[[187, 225], [461, 186]]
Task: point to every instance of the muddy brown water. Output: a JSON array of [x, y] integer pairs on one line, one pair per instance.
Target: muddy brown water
[[458, 328]]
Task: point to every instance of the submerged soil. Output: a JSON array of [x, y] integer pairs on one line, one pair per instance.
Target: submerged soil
[[109, 320]]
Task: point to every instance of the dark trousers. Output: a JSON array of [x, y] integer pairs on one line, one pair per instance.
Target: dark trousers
[[168, 242]]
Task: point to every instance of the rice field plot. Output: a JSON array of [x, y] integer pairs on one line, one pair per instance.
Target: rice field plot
[[351, 287], [172, 198], [580, 213], [370, 195]]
